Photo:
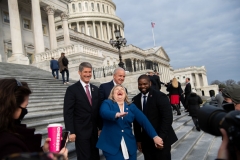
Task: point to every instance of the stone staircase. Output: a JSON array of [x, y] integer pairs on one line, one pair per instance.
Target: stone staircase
[[46, 106]]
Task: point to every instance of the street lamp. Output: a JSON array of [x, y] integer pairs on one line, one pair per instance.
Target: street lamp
[[120, 42]]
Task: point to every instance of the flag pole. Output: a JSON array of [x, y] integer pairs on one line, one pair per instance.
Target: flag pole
[[153, 37]]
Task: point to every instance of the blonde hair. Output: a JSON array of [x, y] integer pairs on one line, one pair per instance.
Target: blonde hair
[[175, 83], [112, 92]]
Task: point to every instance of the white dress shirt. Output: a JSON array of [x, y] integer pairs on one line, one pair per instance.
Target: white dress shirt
[[84, 87], [143, 98]]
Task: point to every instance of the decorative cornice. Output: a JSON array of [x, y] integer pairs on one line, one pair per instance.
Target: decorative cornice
[[64, 16], [50, 9]]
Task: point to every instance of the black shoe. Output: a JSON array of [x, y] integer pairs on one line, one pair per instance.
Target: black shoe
[[178, 114], [198, 128]]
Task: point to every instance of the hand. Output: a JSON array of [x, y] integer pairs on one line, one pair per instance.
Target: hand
[[45, 147], [139, 146], [64, 152], [223, 150], [158, 142], [118, 115], [99, 132], [72, 137]]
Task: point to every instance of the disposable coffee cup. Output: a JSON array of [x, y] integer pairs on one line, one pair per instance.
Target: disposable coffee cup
[[55, 133]]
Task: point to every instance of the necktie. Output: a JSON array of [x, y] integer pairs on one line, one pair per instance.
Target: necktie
[[88, 95], [144, 103]]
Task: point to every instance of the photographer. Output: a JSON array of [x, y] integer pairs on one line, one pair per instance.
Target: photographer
[[231, 94]]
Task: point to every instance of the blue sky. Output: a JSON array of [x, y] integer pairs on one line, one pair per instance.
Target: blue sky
[[192, 32]]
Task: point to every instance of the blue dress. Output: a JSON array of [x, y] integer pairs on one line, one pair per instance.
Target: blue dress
[[115, 128]]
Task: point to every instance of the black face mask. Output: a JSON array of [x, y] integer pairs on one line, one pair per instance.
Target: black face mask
[[22, 115]]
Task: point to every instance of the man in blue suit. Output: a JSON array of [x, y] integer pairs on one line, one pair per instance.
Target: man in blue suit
[[105, 88], [54, 67]]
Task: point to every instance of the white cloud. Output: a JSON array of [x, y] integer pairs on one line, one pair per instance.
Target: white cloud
[[192, 32]]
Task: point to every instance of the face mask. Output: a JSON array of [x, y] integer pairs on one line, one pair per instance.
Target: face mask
[[22, 115]]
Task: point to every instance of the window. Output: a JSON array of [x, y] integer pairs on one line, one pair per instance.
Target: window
[[177, 77], [82, 29], [30, 57], [73, 7], [107, 10], [108, 63], [59, 27], [6, 17], [183, 77], [92, 4], [9, 53], [86, 6], [26, 23], [80, 7], [103, 8], [96, 28], [98, 7], [90, 31], [44, 28]]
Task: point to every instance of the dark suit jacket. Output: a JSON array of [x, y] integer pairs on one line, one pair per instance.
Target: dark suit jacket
[[188, 89], [105, 89], [158, 82], [80, 117], [159, 113]]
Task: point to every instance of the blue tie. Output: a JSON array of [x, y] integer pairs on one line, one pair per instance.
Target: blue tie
[[144, 104]]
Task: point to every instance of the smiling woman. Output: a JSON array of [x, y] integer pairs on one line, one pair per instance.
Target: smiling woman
[[118, 113]]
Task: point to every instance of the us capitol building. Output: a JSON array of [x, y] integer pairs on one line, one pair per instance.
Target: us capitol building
[[34, 31]]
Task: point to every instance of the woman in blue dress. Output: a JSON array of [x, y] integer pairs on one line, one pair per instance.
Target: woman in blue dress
[[116, 139]]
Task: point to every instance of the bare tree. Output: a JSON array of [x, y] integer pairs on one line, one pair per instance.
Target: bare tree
[[238, 82], [217, 82], [230, 81]]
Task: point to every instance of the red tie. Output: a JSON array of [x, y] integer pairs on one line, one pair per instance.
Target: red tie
[[88, 95]]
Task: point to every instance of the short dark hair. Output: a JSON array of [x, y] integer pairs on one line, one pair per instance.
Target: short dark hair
[[144, 76], [84, 65], [155, 70], [52, 58], [188, 79], [12, 95]]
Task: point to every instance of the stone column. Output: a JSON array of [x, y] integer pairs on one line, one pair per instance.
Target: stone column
[[52, 33], [108, 31], [16, 36], [123, 33], [94, 30], [197, 80], [78, 28], [101, 28], [86, 28], [64, 17], [37, 27], [205, 81], [113, 29], [132, 60]]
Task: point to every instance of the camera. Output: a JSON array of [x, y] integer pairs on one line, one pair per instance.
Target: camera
[[211, 119]]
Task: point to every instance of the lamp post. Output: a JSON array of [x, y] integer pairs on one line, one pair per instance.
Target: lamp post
[[120, 42]]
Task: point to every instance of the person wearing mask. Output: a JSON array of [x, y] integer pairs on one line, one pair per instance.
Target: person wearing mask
[[63, 67], [14, 136], [105, 88], [156, 107], [193, 103], [54, 67], [116, 139], [175, 91]]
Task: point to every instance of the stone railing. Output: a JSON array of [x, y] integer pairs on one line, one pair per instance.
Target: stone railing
[[68, 50]]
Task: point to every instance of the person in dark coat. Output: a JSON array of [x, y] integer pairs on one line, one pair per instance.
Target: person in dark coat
[[187, 92], [155, 105], [175, 91], [63, 69], [154, 83], [193, 103], [54, 67], [14, 136], [157, 79]]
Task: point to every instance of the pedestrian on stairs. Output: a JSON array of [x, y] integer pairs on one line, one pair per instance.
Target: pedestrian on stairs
[[193, 104], [54, 67], [63, 67]]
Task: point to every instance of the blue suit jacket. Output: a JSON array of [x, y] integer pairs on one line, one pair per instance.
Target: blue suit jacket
[[105, 89], [54, 64], [115, 128]]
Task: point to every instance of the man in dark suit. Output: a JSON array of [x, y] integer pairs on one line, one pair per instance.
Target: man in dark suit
[[81, 114], [157, 79], [105, 88], [155, 105], [187, 92], [153, 80]]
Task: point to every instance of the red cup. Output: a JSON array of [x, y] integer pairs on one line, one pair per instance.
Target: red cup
[[55, 133]]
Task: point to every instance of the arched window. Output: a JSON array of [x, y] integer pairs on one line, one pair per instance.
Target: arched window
[[98, 7], [80, 7], [96, 28], [92, 5], [103, 8], [73, 7], [86, 6]]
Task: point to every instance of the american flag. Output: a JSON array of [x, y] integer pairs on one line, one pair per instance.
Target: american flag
[[153, 24]]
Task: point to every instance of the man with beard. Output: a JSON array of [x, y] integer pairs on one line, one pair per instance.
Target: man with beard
[[155, 105]]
